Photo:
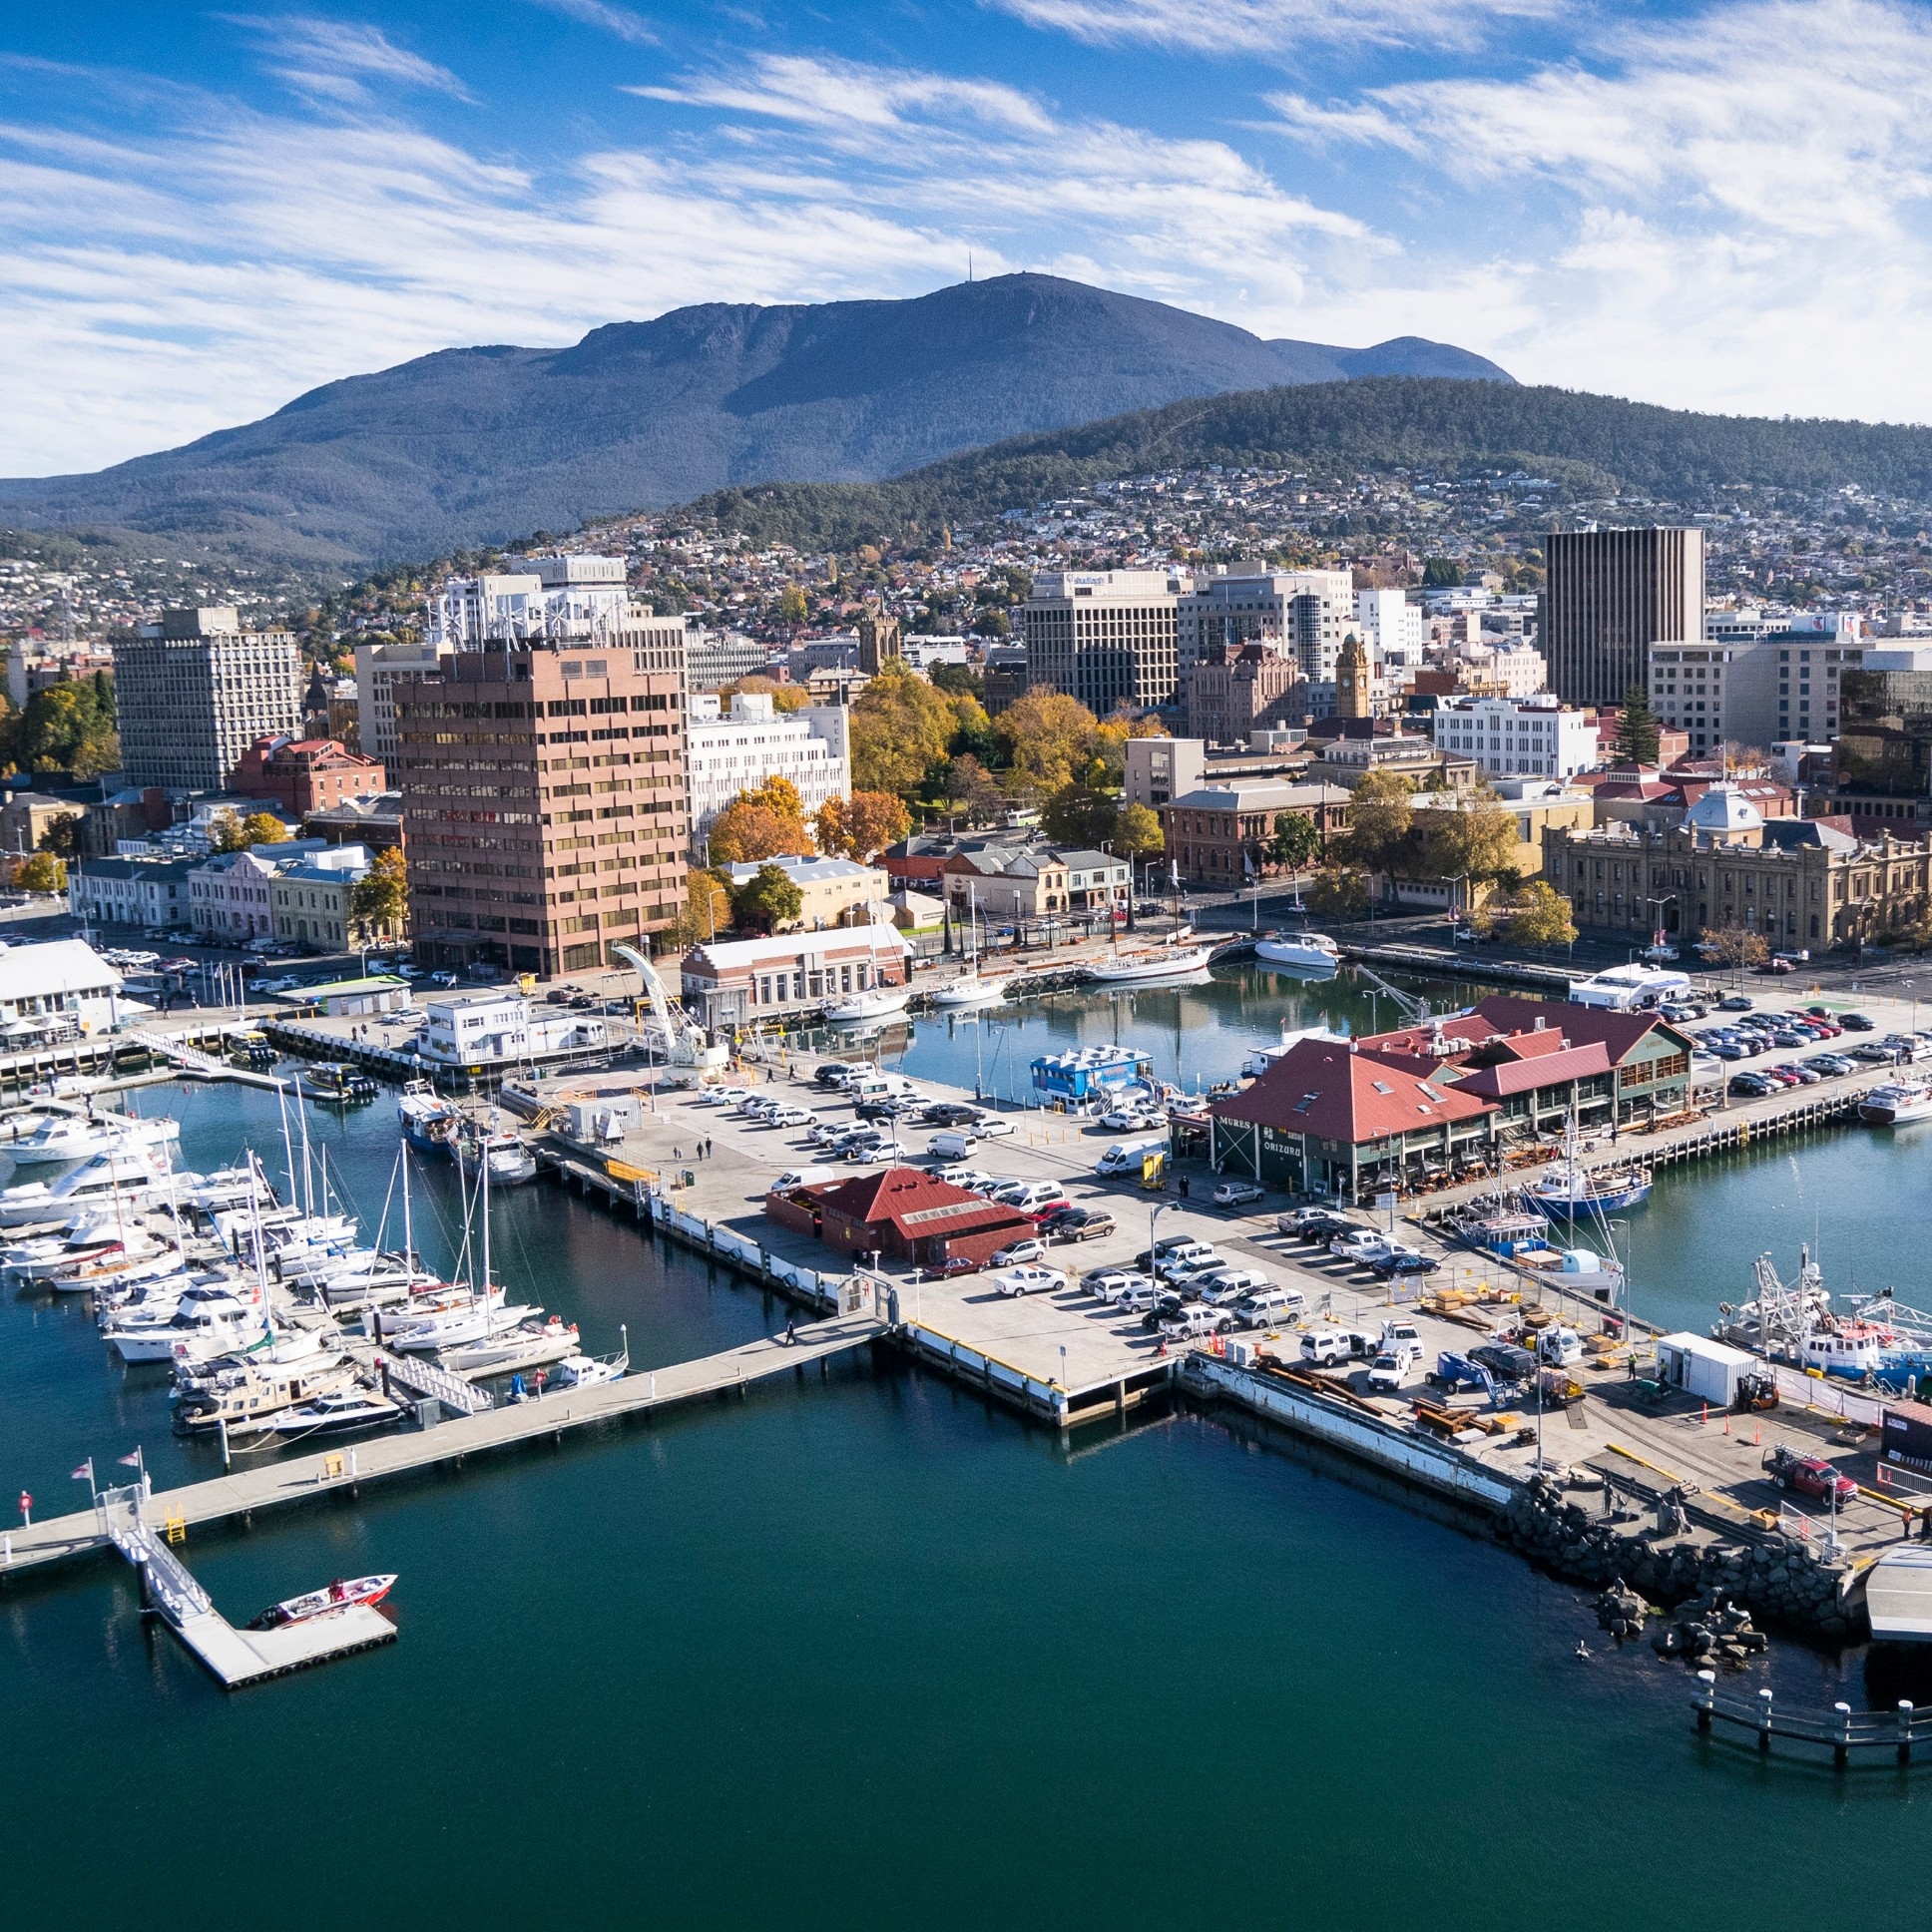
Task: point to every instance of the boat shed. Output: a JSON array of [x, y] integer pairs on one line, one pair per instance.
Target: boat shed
[[901, 1211]]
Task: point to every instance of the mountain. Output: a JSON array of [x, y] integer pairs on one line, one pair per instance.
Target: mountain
[[474, 445], [1588, 445]]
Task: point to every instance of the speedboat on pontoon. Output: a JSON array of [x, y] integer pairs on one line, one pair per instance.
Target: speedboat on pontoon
[[321, 1603]]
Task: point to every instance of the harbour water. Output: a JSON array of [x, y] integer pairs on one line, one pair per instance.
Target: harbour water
[[857, 1650]]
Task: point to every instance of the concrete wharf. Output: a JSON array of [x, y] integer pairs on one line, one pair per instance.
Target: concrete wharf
[[345, 1468]]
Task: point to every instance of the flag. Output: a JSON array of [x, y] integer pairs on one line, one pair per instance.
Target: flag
[[130, 1462], [85, 1474]]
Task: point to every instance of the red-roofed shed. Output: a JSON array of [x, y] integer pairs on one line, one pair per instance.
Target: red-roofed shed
[[901, 1211]]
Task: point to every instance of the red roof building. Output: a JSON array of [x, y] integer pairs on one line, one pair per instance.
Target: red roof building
[[1426, 1102], [306, 773], [901, 1211]]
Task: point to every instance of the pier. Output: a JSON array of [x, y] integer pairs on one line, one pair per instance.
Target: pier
[[337, 1468]]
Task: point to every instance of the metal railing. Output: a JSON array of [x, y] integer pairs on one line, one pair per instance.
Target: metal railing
[[1840, 1730]]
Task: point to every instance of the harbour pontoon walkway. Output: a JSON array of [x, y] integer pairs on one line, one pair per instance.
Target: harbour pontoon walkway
[[336, 1466]]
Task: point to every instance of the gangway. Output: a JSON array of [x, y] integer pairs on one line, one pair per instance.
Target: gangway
[[426, 1378]]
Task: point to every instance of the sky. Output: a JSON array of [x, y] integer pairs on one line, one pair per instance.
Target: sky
[[204, 214]]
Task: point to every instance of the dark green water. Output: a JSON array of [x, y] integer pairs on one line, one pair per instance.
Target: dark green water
[[865, 1651]]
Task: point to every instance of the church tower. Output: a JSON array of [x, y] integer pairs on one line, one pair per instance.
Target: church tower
[[1353, 692]]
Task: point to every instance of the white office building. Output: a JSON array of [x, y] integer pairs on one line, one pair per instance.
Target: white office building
[[1306, 613], [556, 600], [811, 748], [1105, 637], [1393, 629], [1515, 738]]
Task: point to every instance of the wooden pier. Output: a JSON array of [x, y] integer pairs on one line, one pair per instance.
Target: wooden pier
[[333, 1468]]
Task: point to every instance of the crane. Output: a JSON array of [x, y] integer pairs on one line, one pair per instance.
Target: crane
[[686, 1042]]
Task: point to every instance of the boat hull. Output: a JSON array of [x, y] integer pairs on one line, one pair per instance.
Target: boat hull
[[1168, 965]]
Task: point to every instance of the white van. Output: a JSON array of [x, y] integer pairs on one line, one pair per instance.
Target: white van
[[878, 1086], [1127, 1157], [1271, 1307], [953, 1145], [803, 1178]]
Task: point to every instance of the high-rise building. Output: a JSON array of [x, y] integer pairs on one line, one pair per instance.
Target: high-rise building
[[544, 798], [377, 667], [1393, 629], [810, 749], [1610, 595], [1306, 612], [557, 599], [1105, 637], [1232, 690], [195, 690]]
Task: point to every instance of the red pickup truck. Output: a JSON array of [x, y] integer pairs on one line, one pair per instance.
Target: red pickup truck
[[1809, 1475]]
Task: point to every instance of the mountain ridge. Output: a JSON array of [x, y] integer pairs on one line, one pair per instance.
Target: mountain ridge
[[474, 445]]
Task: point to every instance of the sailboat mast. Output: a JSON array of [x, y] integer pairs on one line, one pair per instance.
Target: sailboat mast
[[287, 1146]]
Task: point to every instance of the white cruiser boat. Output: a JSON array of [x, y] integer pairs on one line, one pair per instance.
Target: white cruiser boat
[[1309, 952], [207, 1323], [1151, 962], [875, 1003], [1896, 1103], [333, 1413], [590, 1371], [128, 1182], [79, 1136]]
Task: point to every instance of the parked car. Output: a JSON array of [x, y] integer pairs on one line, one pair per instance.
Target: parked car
[[1029, 1279], [1128, 1120], [1190, 1269], [1228, 1284], [1271, 1307], [1736, 1003], [1148, 1256], [1752, 1086], [1238, 1194], [989, 1127], [1076, 1223], [1112, 1285], [949, 1112], [1390, 1369], [1858, 1023], [1189, 1324], [1405, 1260], [1326, 1346], [1505, 1360], [1363, 1245], [791, 1116], [1031, 1248], [1810, 1476]]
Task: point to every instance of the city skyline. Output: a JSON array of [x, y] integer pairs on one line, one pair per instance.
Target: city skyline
[[209, 212]]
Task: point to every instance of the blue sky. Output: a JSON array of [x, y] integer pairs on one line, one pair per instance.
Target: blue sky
[[205, 213]]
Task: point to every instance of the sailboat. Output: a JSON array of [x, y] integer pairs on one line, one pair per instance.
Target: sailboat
[[969, 989]]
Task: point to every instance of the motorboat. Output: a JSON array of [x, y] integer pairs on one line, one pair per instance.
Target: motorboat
[[335, 1412], [128, 1181], [336, 1083], [970, 990], [1849, 1350], [389, 1277], [238, 1393], [1307, 952], [428, 1120], [874, 1003], [1149, 962], [1567, 1190], [590, 1371], [367, 1591], [1896, 1103], [79, 1136], [198, 1329]]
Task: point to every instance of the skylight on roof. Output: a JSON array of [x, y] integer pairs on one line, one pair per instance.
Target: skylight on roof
[[1381, 1086], [1430, 1091]]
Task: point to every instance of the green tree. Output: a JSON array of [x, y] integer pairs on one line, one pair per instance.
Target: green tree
[[1339, 892], [1137, 834], [68, 728], [1538, 915], [1295, 840], [972, 790], [1473, 839], [224, 833], [264, 828], [1080, 815], [380, 899], [766, 902], [1379, 819], [1441, 574], [959, 680], [62, 837], [1048, 738], [1637, 736], [43, 872]]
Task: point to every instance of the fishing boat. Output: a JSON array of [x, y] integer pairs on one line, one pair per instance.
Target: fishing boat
[[1848, 1350], [1569, 1191], [1896, 1103], [428, 1120], [590, 1371], [1307, 952], [874, 1003], [1149, 962], [510, 1163], [369, 1590]]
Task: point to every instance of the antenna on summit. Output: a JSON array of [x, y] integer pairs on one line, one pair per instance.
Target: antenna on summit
[[969, 264]]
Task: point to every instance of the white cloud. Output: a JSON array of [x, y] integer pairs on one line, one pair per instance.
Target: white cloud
[[169, 283], [1730, 210], [619, 21], [1277, 27], [332, 59]]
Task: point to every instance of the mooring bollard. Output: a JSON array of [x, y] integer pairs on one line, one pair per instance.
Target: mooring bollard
[[1841, 1750], [1706, 1697], [1904, 1708], [1765, 1718]]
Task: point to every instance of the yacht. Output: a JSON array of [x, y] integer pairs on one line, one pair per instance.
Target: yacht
[[109, 1274], [1150, 962], [970, 990], [510, 1163], [1306, 951], [213, 1323], [128, 1181], [251, 1390], [513, 1349], [79, 1136], [1896, 1103], [874, 1003], [469, 1323], [333, 1413]]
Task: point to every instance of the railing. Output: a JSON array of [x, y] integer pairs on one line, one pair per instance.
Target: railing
[[426, 1378], [1840, 1730], [176, 1594]]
